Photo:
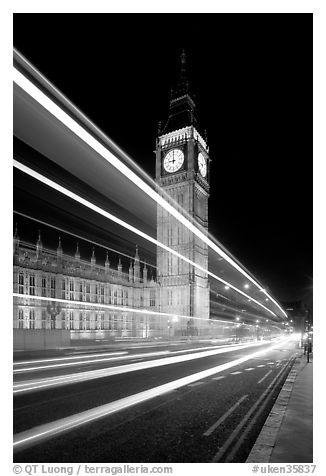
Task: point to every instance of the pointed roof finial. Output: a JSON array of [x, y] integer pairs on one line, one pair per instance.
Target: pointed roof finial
[[77, 254], [39, 241], [16, 231], [59, 245], [137, 255]]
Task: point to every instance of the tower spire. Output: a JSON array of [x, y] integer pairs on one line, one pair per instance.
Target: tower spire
[[182, 111]]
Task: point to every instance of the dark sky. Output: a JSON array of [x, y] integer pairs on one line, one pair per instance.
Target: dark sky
[[252, 79]]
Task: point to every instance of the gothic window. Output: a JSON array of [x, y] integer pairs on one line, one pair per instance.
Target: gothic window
[[32, 319], [96, 293], [52, 287], [102, 320], [71, 290], [87, 321], [63, 320], [43, 286], [102, 294], [63, 289], [32, 285], [21, 283], [20, 318], [115, 297], [80, 292], [71, 319], [88, 292], [152, 298], [115, 322], [43, 319], [80, 320]]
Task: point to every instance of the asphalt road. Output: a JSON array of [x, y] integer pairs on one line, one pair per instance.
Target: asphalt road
[[198, 402]]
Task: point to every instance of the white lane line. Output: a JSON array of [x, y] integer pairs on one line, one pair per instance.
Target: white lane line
[[218, 378], [235, 373], [266, 375], [195, 384], [250, 368], [224, 417], [48, 430], [36, 384], [270, 363], [262, 365]]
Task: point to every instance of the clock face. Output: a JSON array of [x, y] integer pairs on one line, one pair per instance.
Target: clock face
[[173, 160], [202, 164]]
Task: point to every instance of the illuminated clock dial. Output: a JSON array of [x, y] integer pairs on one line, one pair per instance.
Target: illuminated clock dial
[[173, 160], [202, 164]]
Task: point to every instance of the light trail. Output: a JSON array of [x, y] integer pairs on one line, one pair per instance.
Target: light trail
[[95, 208], [49, 430], [92, 361], [92, 358], [57, 359], [31, 385], [112, 307], [85, 136]]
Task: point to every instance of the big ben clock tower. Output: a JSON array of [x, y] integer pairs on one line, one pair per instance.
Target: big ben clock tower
[[182, 175]]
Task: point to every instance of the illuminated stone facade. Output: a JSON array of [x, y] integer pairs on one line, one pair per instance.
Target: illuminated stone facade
[[86, 296]]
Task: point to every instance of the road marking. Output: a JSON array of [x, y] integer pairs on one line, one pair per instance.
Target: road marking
[[266, 375], [218, 378], [235, 373], [195, 384], [224, 417], [251, 368], [262, 365], [236, 435], [270, 363], [42, 432]]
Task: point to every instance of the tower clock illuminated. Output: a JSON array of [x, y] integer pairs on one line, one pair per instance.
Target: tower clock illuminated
[[202, 165], [173, 160]]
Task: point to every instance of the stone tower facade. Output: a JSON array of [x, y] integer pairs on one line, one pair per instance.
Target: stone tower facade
[[182, 174]]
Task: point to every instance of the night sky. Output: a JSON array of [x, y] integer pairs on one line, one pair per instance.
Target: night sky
[[251, 75]]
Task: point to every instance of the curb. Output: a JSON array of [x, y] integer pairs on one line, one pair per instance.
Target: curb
[[262, 450]]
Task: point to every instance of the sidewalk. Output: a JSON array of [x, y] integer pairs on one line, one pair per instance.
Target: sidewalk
[[287, 435]]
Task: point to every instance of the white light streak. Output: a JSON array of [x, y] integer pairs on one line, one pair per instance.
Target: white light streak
[[80, 132], [91, 361], [31, 385], [36, 435], [57, 359], [122, 223]]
